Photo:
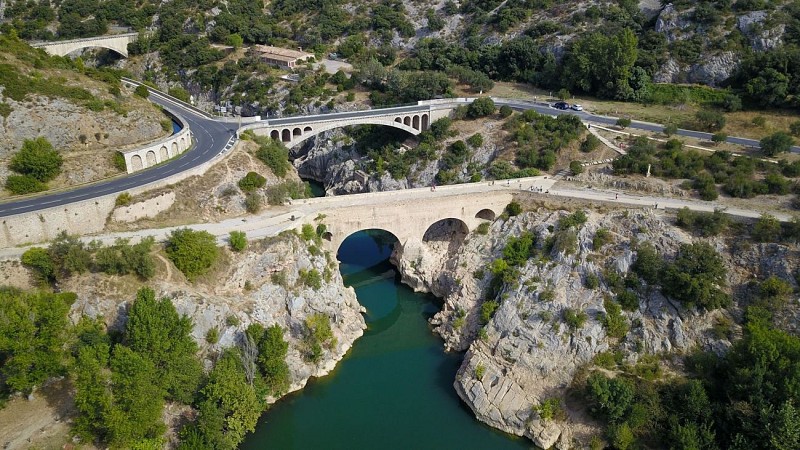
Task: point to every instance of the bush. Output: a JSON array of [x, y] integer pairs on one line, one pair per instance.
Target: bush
[[774, 144], [759, 121], [483, 228], [794, 128], [670, 129], [311, 278], [591, 281], [253, 202], [513, 209], [37, 159], [623, 122], [212, 336], [476, 140], [576, 167], [192, 252], [24, 184], [317, 334], [488, 309], [123, 199], [118, 160], [601, 238], [251, 182], [696, 277], [39, 260], [719, 137], [480, 371], [702, 223], [506, 111], [274, 154], [767, 229], [590, 143], [574, 319], [121, 258], [481, 107], [142, 91], [179, 93], [708, 120], [731, 103], [237, 240]]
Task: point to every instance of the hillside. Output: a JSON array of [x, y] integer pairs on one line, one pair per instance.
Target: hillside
[[83, 112]]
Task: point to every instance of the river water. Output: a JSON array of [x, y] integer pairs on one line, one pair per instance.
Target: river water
[[394, 389]]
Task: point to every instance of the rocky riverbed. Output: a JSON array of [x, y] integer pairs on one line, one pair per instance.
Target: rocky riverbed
[[526, 354]]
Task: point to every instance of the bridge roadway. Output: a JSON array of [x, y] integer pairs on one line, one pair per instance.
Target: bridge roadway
[[212, 135], [277, 219]]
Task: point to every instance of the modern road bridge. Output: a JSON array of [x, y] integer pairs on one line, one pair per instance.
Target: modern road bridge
[[116, 42], [295, 130]]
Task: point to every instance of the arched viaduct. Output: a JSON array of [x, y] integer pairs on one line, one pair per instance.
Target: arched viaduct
[[409, 219], [295, 130], [117, 42]]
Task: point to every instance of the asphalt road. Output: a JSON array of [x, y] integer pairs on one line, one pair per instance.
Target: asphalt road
[[646, 126], [210, 137]]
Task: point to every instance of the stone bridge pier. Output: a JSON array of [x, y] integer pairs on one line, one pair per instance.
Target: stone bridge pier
[[409, 220]]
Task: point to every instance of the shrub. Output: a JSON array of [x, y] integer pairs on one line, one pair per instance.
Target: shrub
[[311, 278], [702, 223], [481, 107], [212, 336], [673, 144], [719, 137], [576, 167], [39, 260], [696, 276], [237, 240], [483, 228], [574, 319], [24, 184], [550, 409], [307, 232], [794, 128], [708, 120], [670, 129], [506, 111], [614, 322], [123, 199], [601, 238], [774, 144], [623, 122], [251, 182], [574, 220], [767, 229], [192, 252], [37, 159], [275, 155], [253, 202], [759, 121], [590, 143], [121, 258], [317, 334], [179, 93], [731, 103], [476, 140], [514, 209], [141, 91], [488, 309], [480, 370], [591, 281], [118, 160]]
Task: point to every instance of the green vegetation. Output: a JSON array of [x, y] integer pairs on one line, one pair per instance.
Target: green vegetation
[[539, 137], [774, 144], [67, 255], [702, 223], [590, 144], [237, 240], [576, 167], [253, 202], [277, 194], [141, 91], [274, 154], [623, 122], [613, 321], [37, 163], [192, 252], [481, 107], [212, 335], [118, 160], [123, 199], [574, 319], [550, 409], [251, 182], [310, 278], [513, 209], [488, 309], [317, 335]]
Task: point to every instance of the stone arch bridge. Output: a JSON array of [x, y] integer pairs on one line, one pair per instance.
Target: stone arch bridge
[[116, 42], [409, 218], [295, 130]]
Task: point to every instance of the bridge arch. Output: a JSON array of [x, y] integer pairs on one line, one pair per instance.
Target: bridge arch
[[297, 132], [164, 153], [407, 121], [486, 214], [425, 122], [174, 150], [275, 134], [381, 236], [150, 157], [445, 230], [286, 135], [307, 130], [415, 122], [136, 162]]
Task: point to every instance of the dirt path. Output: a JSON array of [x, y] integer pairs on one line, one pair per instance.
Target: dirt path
[[167, 265], [40, 423]]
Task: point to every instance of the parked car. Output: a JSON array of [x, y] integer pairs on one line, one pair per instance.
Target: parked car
[[577, 107], [561, 105]]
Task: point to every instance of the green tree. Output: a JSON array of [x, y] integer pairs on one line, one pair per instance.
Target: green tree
[[590, 143], [192, 252], [69, 255], [670, 129], [623, 122], [24, 184], [514, 209], [39, 260], [33, 329], [135, 413], [481, 107], [603, 63], [709, 120], [274, 154], [156, 331], [251, 182], [37, 159], [767, 229], [141, 91], [272, 349], [563, 94], [717, 138], [237, 240], [318, 334], [648, 265], [576, 167], [696, 277], [779, 142], [505, 111]]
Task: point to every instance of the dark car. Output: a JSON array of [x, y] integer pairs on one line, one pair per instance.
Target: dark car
[[561, 105]]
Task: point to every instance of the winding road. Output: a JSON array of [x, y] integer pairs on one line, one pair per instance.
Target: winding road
[[211, 137]]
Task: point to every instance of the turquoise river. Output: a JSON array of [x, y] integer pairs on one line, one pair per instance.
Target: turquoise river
[[394, 389]]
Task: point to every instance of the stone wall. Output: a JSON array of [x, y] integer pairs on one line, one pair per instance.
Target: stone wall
[[160, 151]]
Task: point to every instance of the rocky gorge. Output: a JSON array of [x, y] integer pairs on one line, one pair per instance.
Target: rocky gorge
[[526, 353]]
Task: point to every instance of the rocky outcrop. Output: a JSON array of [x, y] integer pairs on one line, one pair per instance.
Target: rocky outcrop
[[261, 285], [526, 353], [753, 25], [712, 71], [672, 23]]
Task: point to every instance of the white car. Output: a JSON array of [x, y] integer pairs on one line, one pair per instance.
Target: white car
[[577, 107]]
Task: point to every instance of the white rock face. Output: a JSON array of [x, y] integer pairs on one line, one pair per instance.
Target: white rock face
[[526, 353], [761, 39], [226, 301]]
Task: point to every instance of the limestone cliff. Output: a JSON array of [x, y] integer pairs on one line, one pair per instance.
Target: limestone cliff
[[526, 353], [260, 285]]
